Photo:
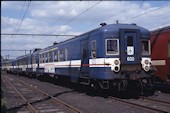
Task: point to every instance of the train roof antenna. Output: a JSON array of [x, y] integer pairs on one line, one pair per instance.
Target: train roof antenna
[[103, 24]]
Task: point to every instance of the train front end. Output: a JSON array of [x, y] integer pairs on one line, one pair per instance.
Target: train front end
[[128, 53]]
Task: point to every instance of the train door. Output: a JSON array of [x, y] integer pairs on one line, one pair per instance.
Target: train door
[[130, 47], [84, 58]]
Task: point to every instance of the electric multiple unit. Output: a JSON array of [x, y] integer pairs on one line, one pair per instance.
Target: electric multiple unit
[[111, 56]]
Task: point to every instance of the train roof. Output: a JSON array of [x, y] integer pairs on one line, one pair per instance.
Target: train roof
[[111, 28], [116, 27], [23, 56], [163, 29], [36, 51], [7, 61]]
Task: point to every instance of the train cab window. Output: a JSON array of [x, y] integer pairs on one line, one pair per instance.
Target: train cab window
[[169, 49], [129, 41], [145, 47], [93, 49], [112, 46]]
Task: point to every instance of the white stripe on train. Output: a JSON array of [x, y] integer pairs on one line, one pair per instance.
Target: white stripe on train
[[158, 62]]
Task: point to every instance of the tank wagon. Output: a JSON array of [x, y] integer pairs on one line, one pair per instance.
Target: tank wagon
[[112, 56], [160, 43]]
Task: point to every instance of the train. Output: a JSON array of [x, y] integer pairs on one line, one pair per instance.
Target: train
[[160, 44], [112, 56]]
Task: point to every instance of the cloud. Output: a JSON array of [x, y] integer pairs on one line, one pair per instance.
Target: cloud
[[48, 17]]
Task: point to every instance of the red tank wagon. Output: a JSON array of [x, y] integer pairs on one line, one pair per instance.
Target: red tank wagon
[[160, 46]]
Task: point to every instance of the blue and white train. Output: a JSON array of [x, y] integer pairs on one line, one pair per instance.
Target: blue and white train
[[111, 56]]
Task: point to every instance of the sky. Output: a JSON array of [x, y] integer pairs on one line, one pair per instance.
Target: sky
[[71, 18]]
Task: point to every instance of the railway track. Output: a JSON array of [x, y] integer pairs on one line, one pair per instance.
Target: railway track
[[155, 100], [36, 100], [142, 105]]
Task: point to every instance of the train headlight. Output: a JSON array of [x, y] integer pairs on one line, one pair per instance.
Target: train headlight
[[116, 69], [116, 62], [147, 68], [146, 62]]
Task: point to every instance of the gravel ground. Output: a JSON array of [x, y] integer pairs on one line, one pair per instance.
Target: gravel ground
[[161, 96], [82, 99], [10, 98]]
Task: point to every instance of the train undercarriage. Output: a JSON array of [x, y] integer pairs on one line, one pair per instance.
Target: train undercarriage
[[118, 85]]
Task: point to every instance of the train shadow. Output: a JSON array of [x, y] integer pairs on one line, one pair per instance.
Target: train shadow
[[127, 94], [130, 93], [165, 88]]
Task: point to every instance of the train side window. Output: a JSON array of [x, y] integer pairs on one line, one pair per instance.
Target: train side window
[[93, 49], [55, 56], [41, 58], [112, 47], [145, 47], [32, 59], [49, 57], [169, 49], [60, 55], [52, 56], [66, 54], [46, 58], [35, 60]]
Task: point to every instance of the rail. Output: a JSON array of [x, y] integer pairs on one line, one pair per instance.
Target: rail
[[138, 105], [50, 96]]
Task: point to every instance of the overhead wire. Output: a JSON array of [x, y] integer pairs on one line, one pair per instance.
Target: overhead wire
[[156, 18], [77, 16], [35, 34], [63, 15], [118, 13], [14, 50], [158, 26], [7, 20], [141, 4], [163, 6], [19, 18], [24, 43], [20, 14], [141, 14], [7, 23], [23, 17]]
